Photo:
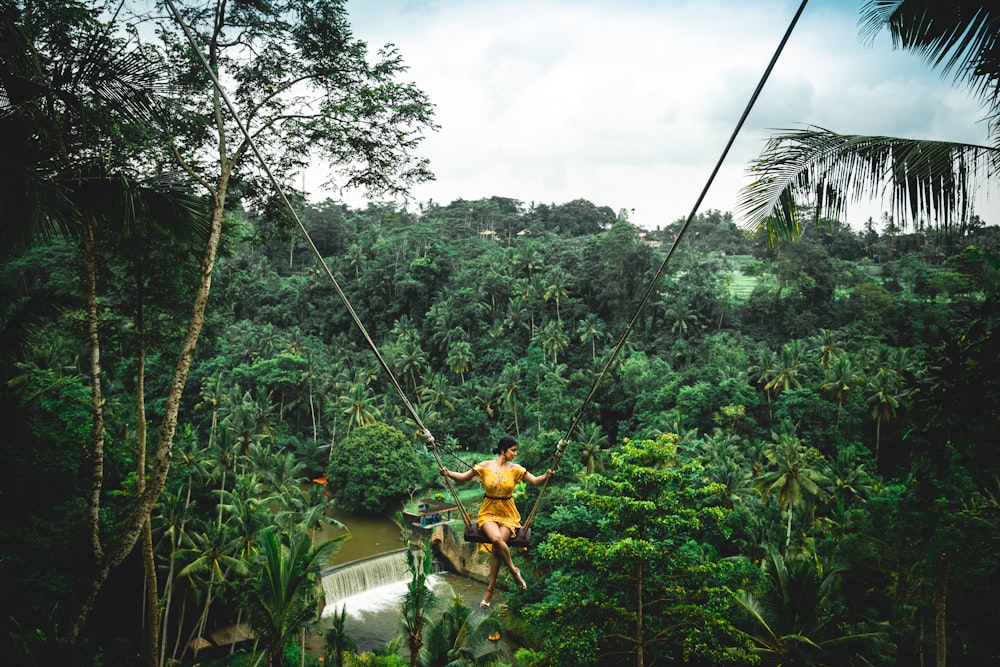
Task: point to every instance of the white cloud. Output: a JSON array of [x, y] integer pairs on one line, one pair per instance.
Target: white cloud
[[629, 103]]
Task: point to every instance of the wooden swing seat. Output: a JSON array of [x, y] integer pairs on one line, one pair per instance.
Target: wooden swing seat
[[522, 538]]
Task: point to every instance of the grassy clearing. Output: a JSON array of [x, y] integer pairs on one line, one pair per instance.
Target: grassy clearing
[[739, 284], [742, 285]]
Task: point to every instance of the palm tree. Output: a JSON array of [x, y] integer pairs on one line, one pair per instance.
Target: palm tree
[[281, 598], [174, 512], [786, 373], [825, 342], [591, 331], [338, 642], [793, 621], [592, 442], [438, 393], [213, 395], [795, 473], [726, 464], [518, 315], [418, 600], [510, 383], [459, 358], [850, 480], [460, 638], [840, 378], [927, 180], [246, 513], [553, 339], [529, 257], [356, 257], [556, 289], [410, 359], [358, 406], [215, 553], [884, 399], [766, 371], [682, 315]]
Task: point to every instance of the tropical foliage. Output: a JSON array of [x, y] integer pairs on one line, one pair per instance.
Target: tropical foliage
[[778, 466]]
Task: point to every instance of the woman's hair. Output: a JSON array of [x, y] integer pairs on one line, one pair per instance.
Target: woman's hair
[[505, 443]]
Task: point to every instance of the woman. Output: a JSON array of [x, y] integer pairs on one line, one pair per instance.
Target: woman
[[498, 516]]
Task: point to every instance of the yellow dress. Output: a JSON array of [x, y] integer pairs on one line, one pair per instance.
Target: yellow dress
[[498, 503]]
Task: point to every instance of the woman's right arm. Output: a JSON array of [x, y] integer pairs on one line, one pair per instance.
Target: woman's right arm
[[459, 476]]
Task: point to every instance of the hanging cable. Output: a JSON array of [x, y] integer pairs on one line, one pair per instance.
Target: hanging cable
[[425, 433], [561, 448]]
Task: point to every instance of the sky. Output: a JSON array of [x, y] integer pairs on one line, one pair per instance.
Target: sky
[[629, 103]]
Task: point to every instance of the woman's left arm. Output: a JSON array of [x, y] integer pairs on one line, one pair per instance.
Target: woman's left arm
[[538, 479]]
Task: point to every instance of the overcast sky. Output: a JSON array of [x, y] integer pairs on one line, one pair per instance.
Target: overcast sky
[[629, 103]]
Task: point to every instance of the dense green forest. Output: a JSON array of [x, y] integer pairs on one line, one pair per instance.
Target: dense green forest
[[824, 412], [791, 460]]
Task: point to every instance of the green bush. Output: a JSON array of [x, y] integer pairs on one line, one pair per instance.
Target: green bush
[[373, 469]]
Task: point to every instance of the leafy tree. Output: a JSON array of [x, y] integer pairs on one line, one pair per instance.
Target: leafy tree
[[372, 469], [631, 587], [77, 96], [576, 218]]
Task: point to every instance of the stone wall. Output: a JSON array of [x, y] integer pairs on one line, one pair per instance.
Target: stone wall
[[455, 553]]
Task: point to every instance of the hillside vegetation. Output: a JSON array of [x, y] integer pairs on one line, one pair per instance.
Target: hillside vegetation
[[822, 416]]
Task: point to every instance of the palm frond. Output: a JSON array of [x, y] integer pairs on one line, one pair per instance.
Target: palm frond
[[757, 611], [927, 180], [957, 36]]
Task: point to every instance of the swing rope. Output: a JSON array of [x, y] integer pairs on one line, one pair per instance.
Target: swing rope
[[425, 433], [561, 447]]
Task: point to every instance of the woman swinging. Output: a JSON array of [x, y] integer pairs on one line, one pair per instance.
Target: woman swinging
[[498, 516]]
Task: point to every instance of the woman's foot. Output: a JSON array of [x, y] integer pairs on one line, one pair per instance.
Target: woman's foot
[[518, 579], [487, 599]]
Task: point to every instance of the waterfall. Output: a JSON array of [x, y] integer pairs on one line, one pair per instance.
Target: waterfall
[[354, 578]]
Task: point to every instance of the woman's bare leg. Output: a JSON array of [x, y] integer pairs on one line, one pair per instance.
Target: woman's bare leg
[[498, 538], [494, 571]]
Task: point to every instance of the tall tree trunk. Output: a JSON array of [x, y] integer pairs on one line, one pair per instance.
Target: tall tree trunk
[[878, 434], [312, 414], [96, 555], [134, 522], [168, 594], [940, 607], [152, 598], [202, 622], [788, 531], [148, 559], [920, 643], [176, 655], [640, 653]]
